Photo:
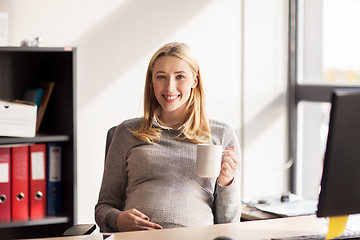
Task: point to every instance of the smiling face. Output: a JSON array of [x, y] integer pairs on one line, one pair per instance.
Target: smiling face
[[173, 80]]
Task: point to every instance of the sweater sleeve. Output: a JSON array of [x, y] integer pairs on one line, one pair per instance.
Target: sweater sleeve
[[227, 205], [112, 193]]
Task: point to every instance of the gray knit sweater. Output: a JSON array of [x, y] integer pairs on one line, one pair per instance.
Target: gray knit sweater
[[160, 180]]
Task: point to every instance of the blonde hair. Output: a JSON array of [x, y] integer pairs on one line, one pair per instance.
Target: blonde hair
[[196, 128]]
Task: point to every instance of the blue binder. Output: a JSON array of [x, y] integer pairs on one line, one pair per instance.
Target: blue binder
[[34, 95], [54, 179]]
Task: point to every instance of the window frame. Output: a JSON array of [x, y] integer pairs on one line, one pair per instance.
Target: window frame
[[300, 92]]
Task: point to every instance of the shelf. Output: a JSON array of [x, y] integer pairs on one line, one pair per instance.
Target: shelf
[[23, 68], [33, 222], [38, 138], [36, 49]]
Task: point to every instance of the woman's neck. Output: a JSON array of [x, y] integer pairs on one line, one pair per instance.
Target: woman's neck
[[173, 120]]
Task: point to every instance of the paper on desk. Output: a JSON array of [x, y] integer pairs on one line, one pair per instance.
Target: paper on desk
[[353, 222], [290, 209], [99, 236]]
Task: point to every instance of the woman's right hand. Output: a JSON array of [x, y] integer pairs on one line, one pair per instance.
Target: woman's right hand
[[133, 220]]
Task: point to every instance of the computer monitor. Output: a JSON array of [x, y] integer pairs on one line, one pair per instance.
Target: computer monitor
[[340, 183]]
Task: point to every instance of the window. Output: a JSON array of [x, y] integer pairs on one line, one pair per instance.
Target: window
[[324, 54]]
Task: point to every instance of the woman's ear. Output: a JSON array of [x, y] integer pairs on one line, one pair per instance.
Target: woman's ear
[[196, 80]]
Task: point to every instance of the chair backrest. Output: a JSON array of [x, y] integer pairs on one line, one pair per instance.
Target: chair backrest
[[84, 229], [109, 137]]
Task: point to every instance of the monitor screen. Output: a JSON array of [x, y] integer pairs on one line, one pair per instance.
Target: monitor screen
[[340, 183]]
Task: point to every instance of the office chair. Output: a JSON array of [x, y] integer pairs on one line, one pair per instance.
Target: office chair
[[84, 229]]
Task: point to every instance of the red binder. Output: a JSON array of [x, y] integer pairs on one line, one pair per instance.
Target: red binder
[[20, 182], [37, 180], [5, 187]]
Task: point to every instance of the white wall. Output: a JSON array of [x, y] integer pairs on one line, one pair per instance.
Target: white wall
[[264, 97], [115, 40]]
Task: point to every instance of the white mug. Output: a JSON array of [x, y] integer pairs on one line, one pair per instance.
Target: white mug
[[208, 160]]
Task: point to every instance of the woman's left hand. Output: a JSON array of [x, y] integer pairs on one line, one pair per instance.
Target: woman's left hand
[[229, 164]]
